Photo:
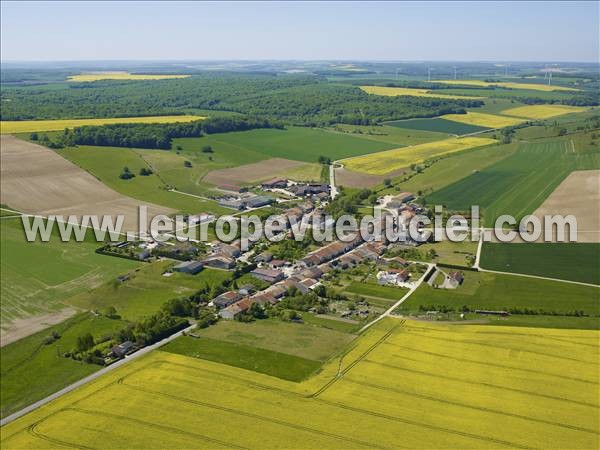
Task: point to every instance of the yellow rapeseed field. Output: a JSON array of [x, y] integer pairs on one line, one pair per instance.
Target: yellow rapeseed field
[[542, 111], [96, 76], [390, 160], [396, 91], [28, 126], [507, 84], [483, 119], [403, 384]]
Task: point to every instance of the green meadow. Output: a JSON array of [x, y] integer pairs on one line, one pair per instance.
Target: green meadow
[[567, 261], [437, 125], [491, 291]]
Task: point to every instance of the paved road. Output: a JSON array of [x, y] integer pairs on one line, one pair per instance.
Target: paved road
[[93, 376], [399, 302], [334, 190]]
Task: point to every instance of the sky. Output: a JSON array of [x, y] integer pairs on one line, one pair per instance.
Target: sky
[[400, 31]]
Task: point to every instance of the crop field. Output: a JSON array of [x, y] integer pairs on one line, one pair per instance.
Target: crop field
[[518, 184], [397, 136], [29, 126], [438, 125], [567, 261], [502, 93], [297, 143], [483, 120], [542, 111], [264, 170], [397, 91], [389, 383], [393, 160], [60, 187], [38, 278], [577, 195], [484, 290], [507, 84], [456, 167], [123, 76]]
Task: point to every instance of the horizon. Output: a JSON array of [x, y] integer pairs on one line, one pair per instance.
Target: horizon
[[301, 31]]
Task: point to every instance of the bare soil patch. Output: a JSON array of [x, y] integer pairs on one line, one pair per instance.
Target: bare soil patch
[[252, 173], [579, 195], [36, 180], [345, 177], [21, 328]]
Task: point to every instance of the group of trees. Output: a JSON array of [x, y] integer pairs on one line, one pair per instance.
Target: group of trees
[[159, 135]]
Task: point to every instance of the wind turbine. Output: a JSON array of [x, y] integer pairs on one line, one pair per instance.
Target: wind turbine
[[429, 74], [455, 72]]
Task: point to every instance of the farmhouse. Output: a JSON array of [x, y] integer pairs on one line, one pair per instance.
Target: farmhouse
[[268, 275], [454, 280], [226, 299], [119, 351], [191, 267], [233, 310], [393, 276]]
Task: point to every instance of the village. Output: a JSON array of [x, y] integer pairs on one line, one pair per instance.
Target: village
[[339, 280]]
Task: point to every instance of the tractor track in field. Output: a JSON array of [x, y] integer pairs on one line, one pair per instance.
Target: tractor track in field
[[481, 383]]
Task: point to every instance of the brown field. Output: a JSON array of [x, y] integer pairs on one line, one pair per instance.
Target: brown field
[[345, 177], [579, 195], [264, 170], [36, 180], [24, 327]]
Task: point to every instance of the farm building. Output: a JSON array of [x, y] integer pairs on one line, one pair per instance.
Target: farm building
[[263, 257], [275, 183], [268, 275], [258, 201], [234, 203], [222, 249], [200, 218], [247, 289], [191, 267], [219, 262]]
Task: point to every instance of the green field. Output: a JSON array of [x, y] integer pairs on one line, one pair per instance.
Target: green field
[[146, 290], [567, 261], [291, 351], [298, 143], [390, 134], [306, 341], [518, 184], [511, 93], [107, 163], [39, 278], [452, 168], [433, 385], [374, 290], [437, 125], [269, 362], [32, 370], [492, 291]]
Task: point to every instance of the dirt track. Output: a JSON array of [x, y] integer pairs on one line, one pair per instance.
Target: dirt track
[[36, 180]]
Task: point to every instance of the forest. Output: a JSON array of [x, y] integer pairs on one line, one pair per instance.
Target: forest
[[297, 99]]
